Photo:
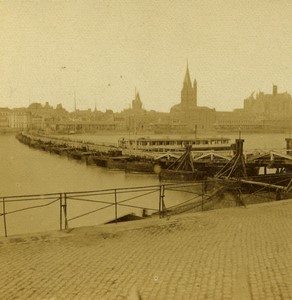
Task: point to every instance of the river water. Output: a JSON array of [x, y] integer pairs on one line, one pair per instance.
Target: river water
[[26, 171], [275, 141]]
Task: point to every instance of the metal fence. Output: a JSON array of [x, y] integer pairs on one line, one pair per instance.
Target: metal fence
[[14, 205], [74, 209], [62, 210]]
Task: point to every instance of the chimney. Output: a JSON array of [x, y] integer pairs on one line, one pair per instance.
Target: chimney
[[275, 90]]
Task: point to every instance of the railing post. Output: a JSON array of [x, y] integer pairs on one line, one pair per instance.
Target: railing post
[[204, 183], [61, 213], [116, 207], [161, 201], [4, 216], [240, 201], [65, 210]]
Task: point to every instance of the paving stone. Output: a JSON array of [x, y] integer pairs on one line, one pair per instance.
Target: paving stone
[[220, 254]]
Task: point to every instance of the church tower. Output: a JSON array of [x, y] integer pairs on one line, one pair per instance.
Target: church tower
[[188, 92], [137, 103]]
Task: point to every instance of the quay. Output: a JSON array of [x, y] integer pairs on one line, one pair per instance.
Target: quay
[[234, 253]]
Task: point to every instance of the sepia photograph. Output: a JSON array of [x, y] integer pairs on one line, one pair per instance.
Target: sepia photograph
[[146, 149]]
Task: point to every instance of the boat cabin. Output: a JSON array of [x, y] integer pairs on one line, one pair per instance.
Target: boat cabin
[[175, 144]]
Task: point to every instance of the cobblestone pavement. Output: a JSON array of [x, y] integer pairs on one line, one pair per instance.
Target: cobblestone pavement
[[236, 253]]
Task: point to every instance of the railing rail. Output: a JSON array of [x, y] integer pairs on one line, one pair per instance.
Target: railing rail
[[159, 199], [123, 197]]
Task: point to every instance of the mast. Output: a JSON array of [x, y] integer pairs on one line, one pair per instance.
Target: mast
[[74, 101]]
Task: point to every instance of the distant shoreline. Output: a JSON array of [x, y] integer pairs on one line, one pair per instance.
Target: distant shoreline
[[9, 131], [5, 131]]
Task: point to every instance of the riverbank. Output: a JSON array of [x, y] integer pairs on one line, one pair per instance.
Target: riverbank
[[235, 253], [5, 131]]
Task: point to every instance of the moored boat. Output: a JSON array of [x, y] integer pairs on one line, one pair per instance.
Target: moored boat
[[182, 175], [182, 169], [117, 162], [143, 166], [175, 145]]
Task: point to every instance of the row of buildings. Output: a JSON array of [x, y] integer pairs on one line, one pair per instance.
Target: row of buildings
[[14, 119], [260, 112]]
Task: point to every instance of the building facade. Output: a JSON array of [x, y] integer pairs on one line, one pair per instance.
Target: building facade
[[270, 106], [4, 117], [19, 119], [14, 119]]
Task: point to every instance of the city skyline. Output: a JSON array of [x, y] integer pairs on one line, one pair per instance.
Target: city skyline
[[103, 51]]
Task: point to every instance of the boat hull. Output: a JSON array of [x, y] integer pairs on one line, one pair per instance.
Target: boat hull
[[181, 175]]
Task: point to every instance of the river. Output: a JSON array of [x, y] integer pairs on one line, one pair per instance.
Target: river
[[24, 170], [275, 141]]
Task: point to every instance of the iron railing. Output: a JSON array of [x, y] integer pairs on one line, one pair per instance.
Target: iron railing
[[150, 199], [161, 200]]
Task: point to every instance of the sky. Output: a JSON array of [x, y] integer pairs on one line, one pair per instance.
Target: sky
[[99, 52]]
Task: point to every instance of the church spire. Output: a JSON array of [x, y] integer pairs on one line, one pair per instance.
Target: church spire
[[137, 103], [187, 80], [188, 92]]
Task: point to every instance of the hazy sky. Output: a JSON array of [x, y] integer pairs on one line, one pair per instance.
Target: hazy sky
[[101, 50]]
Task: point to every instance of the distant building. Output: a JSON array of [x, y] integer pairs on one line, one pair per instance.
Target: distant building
[[262, 112], [4, 117], [237, 120], [138, 119], [44, 117], [188, 95], [137, 105], [188, 112], [19, 118], [189, 92], [274, 110], [14, 119], [270, 106]]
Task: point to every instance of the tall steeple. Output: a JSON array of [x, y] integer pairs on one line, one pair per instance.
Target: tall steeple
[[187, 80], [188, 92], [137, 98], [195, 90], [137, 103]]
